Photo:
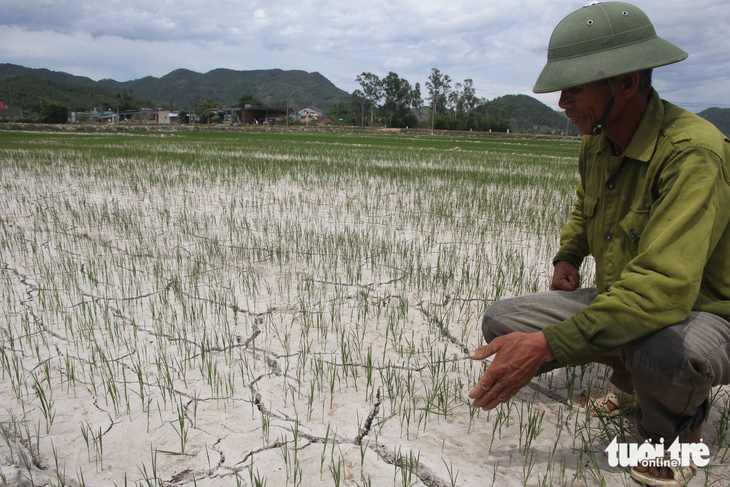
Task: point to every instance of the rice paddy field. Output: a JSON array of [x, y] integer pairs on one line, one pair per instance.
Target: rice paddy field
[[284, 309]]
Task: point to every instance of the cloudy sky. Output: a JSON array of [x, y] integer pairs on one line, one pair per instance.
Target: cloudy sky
[[500, 44]]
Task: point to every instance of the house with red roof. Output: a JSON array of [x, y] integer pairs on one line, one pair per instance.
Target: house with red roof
[[10, 113]]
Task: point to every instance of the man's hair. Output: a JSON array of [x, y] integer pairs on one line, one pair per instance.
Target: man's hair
[[645, 80]]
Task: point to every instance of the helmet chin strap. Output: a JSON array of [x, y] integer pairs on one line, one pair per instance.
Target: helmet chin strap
[[602, 122], [598, 129]]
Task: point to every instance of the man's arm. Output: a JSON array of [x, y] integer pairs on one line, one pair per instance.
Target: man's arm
[[518, 358], [573, 236]]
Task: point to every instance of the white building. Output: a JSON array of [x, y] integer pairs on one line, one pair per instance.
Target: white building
[[162, 116], [310, 112]]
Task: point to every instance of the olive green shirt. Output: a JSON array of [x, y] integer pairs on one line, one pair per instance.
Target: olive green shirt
[[656, 222]]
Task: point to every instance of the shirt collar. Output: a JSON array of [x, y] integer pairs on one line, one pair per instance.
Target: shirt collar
[[644, 142]]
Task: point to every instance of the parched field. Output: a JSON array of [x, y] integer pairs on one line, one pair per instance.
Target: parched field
[[224, 309]]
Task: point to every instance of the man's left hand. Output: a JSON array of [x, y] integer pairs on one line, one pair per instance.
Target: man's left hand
[[518, 358]]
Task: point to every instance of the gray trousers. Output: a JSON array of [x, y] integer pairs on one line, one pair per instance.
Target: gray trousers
[[673, 369]]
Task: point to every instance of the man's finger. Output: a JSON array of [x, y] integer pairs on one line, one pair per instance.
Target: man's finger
[[485, 351], [482, 388]]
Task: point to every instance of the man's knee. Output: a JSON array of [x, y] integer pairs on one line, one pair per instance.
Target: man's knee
[[529, 313], [668, 363], [496, 322], [656, 360], [672, 383]]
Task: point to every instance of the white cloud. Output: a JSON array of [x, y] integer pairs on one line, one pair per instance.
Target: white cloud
[[398, 62]]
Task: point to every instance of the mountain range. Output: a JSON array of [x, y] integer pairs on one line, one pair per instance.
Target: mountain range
[[23, 87], [183, 87]]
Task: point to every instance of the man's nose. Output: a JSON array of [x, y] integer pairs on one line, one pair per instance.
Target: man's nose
[[566, 100]]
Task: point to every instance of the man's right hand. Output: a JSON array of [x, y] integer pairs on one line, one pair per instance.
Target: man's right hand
[[565, 277]]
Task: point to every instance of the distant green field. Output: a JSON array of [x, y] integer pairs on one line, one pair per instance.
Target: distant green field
[[390, 140]]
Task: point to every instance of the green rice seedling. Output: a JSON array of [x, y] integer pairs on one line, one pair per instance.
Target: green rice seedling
[[80, 476], [528, 466], [60, 477], [452, 476], [265, 427], [336, 468], [151, 479], [323, 454], [721, 430], [407, 465], [46, 402], [86, 435], [288, 461], [530, 425], [182, 425], [256, 479], [595, 469]]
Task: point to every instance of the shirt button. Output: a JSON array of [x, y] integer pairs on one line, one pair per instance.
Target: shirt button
[[632, 233], [610, 185], [608, 237]]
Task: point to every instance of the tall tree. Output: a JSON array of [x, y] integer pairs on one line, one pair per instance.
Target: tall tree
[[469, 99], [416, 100], [359, 102], [341, 112], [372, 91], [249, 100], [456, 100], [439, 87], [207, 110], [53, 112], [127, 100], [397, 95]]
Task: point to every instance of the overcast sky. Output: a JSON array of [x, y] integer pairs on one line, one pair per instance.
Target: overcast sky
[[500, 44]]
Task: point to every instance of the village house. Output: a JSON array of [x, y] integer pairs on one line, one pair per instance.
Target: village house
[[260, 115], [10, 113], [163, 116], [309, 112]]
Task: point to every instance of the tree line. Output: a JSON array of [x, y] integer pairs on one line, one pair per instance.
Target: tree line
[[393, 102], [390, 101]]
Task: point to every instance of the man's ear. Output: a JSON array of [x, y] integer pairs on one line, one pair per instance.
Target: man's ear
[[627, 85]]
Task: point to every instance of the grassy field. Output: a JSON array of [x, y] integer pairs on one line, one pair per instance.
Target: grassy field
[[279, 309]]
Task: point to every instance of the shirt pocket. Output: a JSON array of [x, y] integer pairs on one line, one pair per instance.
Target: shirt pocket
[[634, 223], [589, 205]]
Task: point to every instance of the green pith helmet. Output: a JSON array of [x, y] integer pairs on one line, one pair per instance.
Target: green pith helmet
[[600, 41]]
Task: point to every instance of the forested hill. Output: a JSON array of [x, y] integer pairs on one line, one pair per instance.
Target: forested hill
[[182, 87], [530, 115], [12, 70], [718, 116], [25, 91], [272, 86]]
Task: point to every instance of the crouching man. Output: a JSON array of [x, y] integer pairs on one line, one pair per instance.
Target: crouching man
[[652, 208]]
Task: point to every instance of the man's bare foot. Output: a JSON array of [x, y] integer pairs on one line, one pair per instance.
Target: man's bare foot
[[665, 472]]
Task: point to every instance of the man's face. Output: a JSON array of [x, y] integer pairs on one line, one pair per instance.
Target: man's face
[[584, 104]]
